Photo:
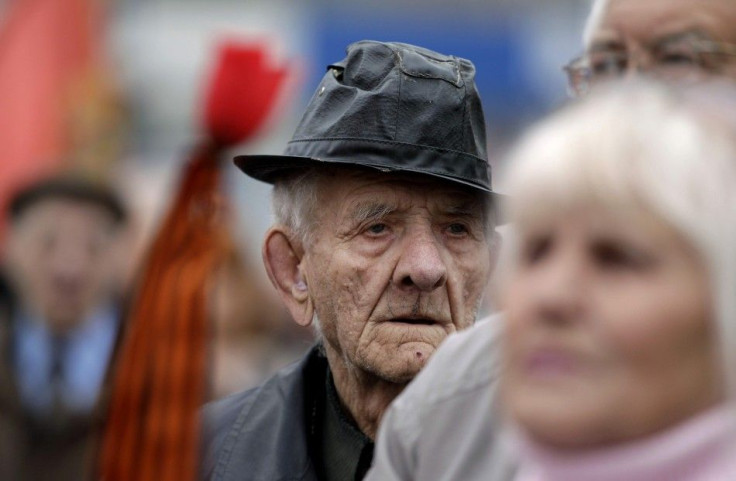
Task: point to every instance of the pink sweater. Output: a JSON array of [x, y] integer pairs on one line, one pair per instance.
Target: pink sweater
[[700, 449]]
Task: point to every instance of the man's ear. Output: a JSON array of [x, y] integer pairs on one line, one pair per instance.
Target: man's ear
[[282, 257]]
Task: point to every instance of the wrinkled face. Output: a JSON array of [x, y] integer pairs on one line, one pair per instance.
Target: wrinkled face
[[608, 329], [396, 265], [662, 32], [62, 256]]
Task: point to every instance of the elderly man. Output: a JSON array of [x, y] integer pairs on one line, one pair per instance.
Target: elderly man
[[383, 242], [445, 426], [60, 322]]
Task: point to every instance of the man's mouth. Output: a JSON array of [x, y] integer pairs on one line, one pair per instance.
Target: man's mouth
[[415, 321]]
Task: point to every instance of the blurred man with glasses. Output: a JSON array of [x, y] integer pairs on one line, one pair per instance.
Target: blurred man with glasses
[[682, 41], [443, 426]]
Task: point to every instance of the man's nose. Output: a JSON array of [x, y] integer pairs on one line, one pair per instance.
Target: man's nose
[[69, 263], [634, 70], [640, 62], [421, 264]]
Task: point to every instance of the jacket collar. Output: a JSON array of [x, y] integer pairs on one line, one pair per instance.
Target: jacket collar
[[269, 437]]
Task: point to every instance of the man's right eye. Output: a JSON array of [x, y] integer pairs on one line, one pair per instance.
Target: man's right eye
[[376, 228], [608, 65]]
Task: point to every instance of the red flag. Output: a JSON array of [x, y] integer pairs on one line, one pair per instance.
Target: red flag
[[246, 86], [47, 48]]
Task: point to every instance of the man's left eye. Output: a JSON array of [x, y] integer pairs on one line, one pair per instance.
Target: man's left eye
[[679, 58], [456, 229]]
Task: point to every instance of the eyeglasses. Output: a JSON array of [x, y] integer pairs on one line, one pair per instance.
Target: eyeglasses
[[682, 59]]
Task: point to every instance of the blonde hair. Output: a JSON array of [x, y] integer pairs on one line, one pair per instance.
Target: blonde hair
[[643, 145]]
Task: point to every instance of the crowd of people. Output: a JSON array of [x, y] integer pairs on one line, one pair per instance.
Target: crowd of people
[[610, 356]]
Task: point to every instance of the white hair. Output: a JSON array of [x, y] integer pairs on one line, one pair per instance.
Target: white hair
[[644, 145], [594, 20], [295, 200], [294, 203]]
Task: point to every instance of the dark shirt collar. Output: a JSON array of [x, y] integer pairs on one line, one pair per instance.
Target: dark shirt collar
[[346, 453]]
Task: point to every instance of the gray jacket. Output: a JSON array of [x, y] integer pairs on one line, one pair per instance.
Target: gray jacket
[[261, 434], [444, 426]]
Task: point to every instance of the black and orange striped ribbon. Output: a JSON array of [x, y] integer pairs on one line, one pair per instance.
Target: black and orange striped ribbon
[[159, 383]]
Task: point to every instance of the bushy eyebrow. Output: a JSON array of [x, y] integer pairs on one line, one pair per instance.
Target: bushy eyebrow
[[466, 209], [691, 34], [606, 46], [464, 204], [657, 43], [366, 211], [461, 206]]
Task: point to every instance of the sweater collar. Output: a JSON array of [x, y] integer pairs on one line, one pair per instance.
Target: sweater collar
[[700, 448]]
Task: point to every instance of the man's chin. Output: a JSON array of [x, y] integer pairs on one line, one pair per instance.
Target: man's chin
[[402, 364], [60, 319]]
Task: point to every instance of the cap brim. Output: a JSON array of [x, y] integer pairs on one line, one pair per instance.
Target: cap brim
[[269, 168]]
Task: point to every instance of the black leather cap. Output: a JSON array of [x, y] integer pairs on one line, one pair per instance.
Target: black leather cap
[[393, 107]]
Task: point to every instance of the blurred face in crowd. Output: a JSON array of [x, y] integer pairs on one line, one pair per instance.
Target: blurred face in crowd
[[62, 256], [396, 263], [608, 328], [673, 40]]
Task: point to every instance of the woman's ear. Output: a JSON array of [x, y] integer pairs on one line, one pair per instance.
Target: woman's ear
[[282, 257]]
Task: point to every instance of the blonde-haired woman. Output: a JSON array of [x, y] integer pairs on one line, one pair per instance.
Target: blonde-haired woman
[[620, 290], [613, 358]]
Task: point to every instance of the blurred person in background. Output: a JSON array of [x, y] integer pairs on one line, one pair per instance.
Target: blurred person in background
[[63, 253], [383, 241], [618, 296], [614, 360], [681, 41]]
